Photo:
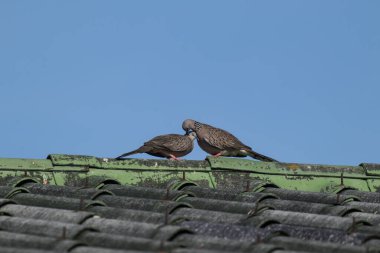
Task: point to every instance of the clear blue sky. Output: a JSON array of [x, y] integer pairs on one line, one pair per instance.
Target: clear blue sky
[[295, 80]]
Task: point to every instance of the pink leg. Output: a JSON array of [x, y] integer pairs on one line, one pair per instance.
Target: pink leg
[[173, 158], [217, 155]]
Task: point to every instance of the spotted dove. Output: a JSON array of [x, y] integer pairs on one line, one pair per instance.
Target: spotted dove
[[219, 142], [170, 146]]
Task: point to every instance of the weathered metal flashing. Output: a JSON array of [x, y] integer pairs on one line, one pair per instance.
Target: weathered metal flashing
[[371, 169], [229, 173], [289, 169], [25, 164], [132, 164]]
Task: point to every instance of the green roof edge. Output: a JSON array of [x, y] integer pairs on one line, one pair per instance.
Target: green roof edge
[[75, 170]]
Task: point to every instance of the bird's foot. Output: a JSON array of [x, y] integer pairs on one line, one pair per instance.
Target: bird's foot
[[217, 155], [173, 158]]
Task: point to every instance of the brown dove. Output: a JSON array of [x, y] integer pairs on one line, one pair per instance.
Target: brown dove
[[170, 146], [219, 142]]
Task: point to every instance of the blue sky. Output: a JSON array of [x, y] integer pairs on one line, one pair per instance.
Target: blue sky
[[296, 80]]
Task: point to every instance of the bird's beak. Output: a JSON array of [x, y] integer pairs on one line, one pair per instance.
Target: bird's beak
[[188, 131]]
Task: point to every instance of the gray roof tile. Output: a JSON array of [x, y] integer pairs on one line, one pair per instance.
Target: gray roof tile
[[116, 218]]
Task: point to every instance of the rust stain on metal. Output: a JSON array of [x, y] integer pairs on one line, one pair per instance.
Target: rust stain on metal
[[64, 233], [81, 204], [45, 179], [293, 166], [247, 188], [338, 199]]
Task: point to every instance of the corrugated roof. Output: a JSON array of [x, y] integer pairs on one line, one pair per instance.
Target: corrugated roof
[[86, 204]]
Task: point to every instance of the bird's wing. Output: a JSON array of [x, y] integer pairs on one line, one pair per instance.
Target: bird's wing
[[171, 142], [222, 139]]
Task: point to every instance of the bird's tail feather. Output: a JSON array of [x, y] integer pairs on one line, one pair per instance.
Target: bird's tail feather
[[137, 151], [260, 157]]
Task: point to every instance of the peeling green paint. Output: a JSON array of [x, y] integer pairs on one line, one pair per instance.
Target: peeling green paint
[[25, 164]]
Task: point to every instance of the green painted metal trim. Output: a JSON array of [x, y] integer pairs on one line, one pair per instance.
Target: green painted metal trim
[[132, 164], [70, 169], [228, 173], [371, 169], [289, 169], [339, 188], [212, 180], [25, 164], [373, 185], [73, 160]]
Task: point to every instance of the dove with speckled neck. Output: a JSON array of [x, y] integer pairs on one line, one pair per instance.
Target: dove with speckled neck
[[170, 146], [219, 142]]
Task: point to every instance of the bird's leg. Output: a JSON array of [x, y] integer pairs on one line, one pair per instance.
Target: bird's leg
[[173, 158], [217, 155]]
